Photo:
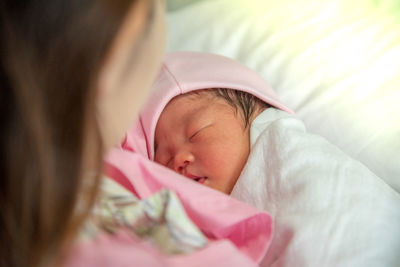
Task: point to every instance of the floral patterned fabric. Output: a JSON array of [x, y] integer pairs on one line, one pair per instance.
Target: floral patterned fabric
[[160, 219]]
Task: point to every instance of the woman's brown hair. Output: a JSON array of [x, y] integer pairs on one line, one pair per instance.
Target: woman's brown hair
[[51, 54]]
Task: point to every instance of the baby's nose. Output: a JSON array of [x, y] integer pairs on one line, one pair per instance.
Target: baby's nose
[[182, 160]]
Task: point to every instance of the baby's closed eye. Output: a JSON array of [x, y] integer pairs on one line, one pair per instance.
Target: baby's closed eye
[[199, 133], [192, 137]]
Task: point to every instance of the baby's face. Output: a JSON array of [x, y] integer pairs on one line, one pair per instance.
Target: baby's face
[[204, 139]]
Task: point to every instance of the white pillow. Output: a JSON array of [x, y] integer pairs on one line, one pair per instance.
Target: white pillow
[[336, 63]]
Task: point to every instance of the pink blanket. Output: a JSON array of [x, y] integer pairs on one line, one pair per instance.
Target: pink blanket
[[239, 234]]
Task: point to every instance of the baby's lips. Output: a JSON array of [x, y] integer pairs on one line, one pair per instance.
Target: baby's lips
[[200, 179]]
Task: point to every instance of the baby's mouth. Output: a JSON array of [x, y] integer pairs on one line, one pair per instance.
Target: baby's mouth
[[201, 180]]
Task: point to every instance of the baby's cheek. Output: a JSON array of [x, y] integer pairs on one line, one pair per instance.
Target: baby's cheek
[[218, 160], [159, 159]]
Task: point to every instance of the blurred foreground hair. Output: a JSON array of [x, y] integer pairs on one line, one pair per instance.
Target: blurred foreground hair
[[51, 54]]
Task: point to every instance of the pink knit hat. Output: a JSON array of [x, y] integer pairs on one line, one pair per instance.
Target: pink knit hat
[[183, 72]]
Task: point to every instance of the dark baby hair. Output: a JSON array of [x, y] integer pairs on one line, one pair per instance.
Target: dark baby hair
[[246, 103]]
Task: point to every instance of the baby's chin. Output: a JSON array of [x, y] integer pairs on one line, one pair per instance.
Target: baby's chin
[[225, 188]]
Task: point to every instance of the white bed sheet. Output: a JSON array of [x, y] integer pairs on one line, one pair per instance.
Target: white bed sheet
[[336, 63]]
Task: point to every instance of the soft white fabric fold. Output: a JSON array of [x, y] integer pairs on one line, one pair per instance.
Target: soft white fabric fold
[[329, 209]]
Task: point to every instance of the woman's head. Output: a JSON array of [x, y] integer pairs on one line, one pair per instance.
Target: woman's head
[[66, 67]]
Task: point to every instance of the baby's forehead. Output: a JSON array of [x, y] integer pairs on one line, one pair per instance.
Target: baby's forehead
[[190, 100], [182, 109], [185, 106], [189, 103]]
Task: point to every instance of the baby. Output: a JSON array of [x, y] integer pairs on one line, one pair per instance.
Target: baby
[[198, 119], [205, 135]]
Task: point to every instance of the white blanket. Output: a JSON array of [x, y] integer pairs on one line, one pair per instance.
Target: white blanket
[[329, 209]]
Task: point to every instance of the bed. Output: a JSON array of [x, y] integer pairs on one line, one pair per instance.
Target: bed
[[335, 63]]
